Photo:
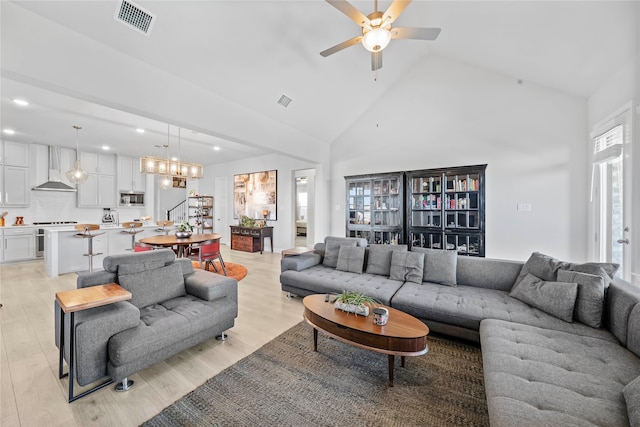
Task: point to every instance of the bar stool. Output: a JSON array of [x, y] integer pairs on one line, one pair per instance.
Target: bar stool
[[132, 229], [86, 234], [163, 226]]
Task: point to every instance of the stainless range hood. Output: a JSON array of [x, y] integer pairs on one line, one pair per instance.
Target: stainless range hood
[[54, 183]]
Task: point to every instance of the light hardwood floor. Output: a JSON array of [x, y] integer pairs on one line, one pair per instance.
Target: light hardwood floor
[[31, 393]]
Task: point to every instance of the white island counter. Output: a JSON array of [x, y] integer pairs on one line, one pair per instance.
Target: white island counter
[[64, 252]]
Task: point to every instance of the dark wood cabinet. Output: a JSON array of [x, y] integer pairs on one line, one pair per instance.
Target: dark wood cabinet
[[250, 239], [446, 209], [375, 207]]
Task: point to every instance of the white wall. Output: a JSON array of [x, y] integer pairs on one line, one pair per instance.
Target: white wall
[[447, 113], [283, 236]]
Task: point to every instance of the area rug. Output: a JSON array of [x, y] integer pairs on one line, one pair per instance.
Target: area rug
[[285, 383], [237, 271]]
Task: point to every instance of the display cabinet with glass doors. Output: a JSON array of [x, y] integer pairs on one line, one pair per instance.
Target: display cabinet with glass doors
[[374, 208]]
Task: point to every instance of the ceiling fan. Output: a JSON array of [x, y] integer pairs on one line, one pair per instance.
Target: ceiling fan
[[376, 29]]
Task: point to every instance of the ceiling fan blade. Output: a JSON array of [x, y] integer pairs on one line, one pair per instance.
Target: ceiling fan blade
[[415, 33], [376, 60], [353, 13], [396, 8], [340, 46]]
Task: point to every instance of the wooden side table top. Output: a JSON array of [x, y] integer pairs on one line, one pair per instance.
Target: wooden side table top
[[90, 297], [298, 250]]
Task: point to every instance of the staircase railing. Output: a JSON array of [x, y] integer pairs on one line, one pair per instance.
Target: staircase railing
[[178, 213]]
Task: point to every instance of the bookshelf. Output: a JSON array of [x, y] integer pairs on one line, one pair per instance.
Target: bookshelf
[[446, 209]]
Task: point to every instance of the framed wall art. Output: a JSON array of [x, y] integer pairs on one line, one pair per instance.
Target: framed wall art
[[255, 195]]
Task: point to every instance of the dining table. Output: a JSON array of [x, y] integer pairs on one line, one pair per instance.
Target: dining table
[[172, 240]]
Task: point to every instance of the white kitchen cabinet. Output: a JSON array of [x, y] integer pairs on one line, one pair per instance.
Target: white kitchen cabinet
[[14, 174], [16, 154], [100, 188], [18, 244], [129, 176]]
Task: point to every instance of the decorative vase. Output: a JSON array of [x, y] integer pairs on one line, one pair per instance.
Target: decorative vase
[[183, 234], [362, 310]]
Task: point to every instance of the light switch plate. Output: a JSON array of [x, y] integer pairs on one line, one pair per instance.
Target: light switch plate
[[524, 207]]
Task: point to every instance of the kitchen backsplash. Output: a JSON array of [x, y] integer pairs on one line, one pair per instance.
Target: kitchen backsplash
[[61, 206]]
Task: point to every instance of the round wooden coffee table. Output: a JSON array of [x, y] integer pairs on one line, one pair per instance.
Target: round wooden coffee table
[[403, 335]]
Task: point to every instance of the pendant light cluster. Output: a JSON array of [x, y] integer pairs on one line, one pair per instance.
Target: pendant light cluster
[[77, 175], [168, 168]]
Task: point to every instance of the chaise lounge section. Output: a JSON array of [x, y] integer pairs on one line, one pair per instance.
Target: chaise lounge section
[[569, 359]]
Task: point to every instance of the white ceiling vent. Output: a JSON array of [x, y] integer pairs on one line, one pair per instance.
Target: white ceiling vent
[[134, 16], [284, 101]]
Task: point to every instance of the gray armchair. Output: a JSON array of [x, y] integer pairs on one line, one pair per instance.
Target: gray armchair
[[173, 307]]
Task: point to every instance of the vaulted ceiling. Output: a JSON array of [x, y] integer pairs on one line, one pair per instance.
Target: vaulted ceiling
[[234, 59]]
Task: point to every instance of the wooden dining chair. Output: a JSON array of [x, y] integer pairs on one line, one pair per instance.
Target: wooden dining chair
[[208, 252]]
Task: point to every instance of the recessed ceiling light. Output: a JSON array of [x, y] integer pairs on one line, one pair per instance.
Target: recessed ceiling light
[[140, 130], [174, 159], [105, 148], [21, 102], [9, 131], [216, 148]]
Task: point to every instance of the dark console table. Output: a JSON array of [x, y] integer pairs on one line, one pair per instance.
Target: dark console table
[[250, 239]]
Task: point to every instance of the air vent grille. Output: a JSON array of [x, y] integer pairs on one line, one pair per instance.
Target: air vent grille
[[284, 101], [135, 17]]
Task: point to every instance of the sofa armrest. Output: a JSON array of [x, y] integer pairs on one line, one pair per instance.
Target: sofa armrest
[[93, 329], [300, 262], [211, 286]]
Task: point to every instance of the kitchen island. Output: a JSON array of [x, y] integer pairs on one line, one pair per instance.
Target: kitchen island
[[64, 252]]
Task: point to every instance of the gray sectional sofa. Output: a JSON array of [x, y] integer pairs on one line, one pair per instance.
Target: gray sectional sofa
[[173, 307], [560, 341]]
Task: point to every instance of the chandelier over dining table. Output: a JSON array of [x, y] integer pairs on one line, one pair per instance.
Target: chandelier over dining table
[[171, 167]]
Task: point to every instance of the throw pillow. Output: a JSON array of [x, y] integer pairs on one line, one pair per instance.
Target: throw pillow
[[555, 298], [379, 260], [605, 270], [440, 266], [632, 397], [407, 266], [590, 299], [543, 266], [351, 258], [153, 286], [332, 249]]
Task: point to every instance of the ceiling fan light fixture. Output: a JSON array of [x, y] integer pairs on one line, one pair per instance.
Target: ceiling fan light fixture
[[376, 39]]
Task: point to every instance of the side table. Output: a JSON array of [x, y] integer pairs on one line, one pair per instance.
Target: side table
[[298, 250], [78, 300]]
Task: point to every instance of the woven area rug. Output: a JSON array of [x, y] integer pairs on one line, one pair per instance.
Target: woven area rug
[[237, 271], [285, 383]]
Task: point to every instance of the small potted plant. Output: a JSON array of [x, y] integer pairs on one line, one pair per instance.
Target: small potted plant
[[184, 230], [354, 302]]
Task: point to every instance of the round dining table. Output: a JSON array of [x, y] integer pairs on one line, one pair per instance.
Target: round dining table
[[171, 240]]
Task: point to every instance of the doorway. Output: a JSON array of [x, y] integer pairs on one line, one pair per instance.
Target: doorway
[[303, 225], [611, 181]]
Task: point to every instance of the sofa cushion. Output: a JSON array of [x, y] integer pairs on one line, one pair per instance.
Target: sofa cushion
[[113, 262], [467, 306], [605, 270], [543, 266], [332, 249], [590, 299], [439, 265], [538, 376], [407, 266], [555, 298], [623, 313], [149, 287], [351, 258], [632, 398], [379, 259], [487, 272]]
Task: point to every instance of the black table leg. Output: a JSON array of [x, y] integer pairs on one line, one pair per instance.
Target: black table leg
[[392, 360], [315, 339]]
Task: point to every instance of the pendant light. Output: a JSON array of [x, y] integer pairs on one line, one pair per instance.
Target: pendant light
[[166, 182], [77, 175]]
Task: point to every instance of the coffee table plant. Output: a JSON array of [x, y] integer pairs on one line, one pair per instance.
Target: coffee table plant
[[355, 302]]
